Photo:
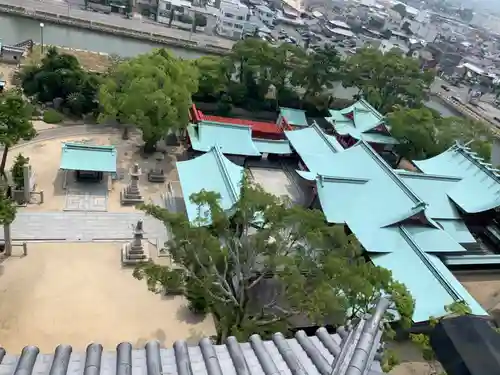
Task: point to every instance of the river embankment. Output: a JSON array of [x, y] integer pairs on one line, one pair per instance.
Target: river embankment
[[108, 28]]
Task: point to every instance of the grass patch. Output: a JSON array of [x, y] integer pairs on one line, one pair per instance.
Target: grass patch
[[51, 116]]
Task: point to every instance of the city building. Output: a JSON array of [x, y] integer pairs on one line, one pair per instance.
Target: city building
[[265, 14], [232, 19], [166, 7]]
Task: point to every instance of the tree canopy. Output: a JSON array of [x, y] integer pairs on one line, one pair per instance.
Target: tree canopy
[[387, 80], [61, 76], [15, 122], [268, 264], [151, 91], [423, 134]]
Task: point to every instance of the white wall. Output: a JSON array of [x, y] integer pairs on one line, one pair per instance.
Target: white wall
[[232, 19]]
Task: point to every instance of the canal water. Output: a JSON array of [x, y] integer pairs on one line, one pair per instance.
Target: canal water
[[16, 29]]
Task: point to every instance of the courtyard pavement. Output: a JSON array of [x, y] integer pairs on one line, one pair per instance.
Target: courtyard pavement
[[83, 226]]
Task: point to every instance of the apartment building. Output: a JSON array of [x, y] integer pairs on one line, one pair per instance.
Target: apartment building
[[265, 14], [165, 9], [232, 19]]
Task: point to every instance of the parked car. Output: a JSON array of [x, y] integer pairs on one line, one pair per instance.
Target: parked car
[[445, 88]]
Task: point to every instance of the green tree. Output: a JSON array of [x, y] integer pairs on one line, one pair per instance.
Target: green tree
[[423, 133], [17, 170], [61, 76], [214, 76], [401, 9], [387, 80], [151, 91], [15, 123], [320, 69], [8, 212], [423, 340], [304, 266]]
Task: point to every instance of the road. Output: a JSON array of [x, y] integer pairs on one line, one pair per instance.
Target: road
[[73, 10]]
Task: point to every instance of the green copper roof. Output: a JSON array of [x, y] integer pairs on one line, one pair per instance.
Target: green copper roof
[[362, 126], [395, 224], [231, 139], [314, 147], [85, 157], [270, 146], [211, 171], [295, 117], [479, 188]]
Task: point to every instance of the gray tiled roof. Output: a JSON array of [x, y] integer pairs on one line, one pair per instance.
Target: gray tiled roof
[[351, 351]]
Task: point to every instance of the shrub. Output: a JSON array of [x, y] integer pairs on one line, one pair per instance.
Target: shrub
[[17, 170], [51, 116]]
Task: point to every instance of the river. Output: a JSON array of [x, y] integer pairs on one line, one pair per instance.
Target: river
[[16, 29]]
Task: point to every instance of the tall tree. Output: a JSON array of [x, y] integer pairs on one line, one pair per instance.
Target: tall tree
[[151, 91], [387, 80], [318, 71], [8, 212], [268, 263], [423, 133], [214, 75], [15, 123]]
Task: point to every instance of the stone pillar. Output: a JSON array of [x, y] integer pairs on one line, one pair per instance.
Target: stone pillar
[[156, 174], [131, 194], [137, 250], [27, 183]]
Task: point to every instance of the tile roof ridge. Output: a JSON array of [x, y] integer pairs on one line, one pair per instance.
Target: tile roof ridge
[[355, 359], [321, 178], [221, 163], [391, 173], [430, 176], [225, 124], [429, 265], [370, 108], [476, 160], [323, 136], [152, 364]]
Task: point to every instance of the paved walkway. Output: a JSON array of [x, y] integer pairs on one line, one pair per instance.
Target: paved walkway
[[83, 226]]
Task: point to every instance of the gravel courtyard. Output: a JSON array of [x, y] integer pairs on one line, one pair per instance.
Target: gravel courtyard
[[77, 293]]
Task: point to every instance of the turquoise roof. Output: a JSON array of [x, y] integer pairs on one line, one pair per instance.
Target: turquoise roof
[[479, 188], [85, 157], [270, 146], [388, 213], [296, 117], [314, 147], [433, 189], [218, 174], [231, 139], [362, 125]]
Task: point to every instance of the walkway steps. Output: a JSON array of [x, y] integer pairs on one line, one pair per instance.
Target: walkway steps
[[83, 226]]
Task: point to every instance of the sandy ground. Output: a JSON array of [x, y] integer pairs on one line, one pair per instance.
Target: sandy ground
[[45, 159], [485, 288], [411, 359], [78, 293], [89, 60]]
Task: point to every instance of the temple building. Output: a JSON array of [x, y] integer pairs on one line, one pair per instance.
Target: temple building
[[360, 122], [420, 225]]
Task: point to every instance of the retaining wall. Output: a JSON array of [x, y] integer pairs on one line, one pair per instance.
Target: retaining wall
[[111, 29]]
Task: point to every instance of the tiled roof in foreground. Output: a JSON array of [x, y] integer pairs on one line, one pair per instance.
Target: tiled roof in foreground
[[349, 352]]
